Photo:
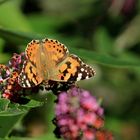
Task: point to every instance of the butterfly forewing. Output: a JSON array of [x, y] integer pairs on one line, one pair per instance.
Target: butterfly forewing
[[33, 48], [55, 50]]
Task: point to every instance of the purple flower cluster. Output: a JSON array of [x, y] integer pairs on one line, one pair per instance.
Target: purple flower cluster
[[78, 115]]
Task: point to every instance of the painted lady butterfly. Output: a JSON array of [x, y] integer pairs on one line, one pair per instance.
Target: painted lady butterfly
[[50, 60]]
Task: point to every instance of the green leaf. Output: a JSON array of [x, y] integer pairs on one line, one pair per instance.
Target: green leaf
[[9, 115], [12, 112], [22, 37], [3, 1], [4, 58], [1, 45], [17, 37], [4, 104], [12, 17], [48, 136], [105, 59], [11, 109], [7, 123], [22, 138], [103, 41], [32, 104]]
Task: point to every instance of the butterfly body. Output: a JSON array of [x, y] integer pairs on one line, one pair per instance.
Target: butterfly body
[[50, 60]]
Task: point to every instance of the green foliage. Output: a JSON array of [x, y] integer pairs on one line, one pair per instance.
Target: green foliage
[[98, 33], [22, 38], [11, 109], [10, 113]]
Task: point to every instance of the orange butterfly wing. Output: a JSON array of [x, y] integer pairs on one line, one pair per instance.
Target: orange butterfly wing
[[30, 75], [72, 69]]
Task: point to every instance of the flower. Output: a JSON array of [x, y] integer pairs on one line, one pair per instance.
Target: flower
[[16, 62], [4, 72], [128, 7], [10, 89], [124, 7], [104, 135], [78, 115]]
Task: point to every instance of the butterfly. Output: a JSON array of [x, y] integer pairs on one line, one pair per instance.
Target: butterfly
[[49, 59]]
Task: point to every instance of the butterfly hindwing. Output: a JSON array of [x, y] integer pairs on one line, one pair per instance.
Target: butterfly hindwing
[[72, 69], [29, 76], [83, 71]]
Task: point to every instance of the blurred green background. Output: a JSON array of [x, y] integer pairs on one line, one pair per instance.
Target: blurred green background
[[104, 33]]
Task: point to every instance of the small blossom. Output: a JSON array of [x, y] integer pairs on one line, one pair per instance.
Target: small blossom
[[128, 7], [6, 95], [124, 7], [89, 134], [104, 135], [16, 62], [4, 72]]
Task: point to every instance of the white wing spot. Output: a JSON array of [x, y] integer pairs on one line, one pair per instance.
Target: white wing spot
[[79, 77], [87, 77], [23, 85], [24, 76], [28, 84], [82, 69]]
